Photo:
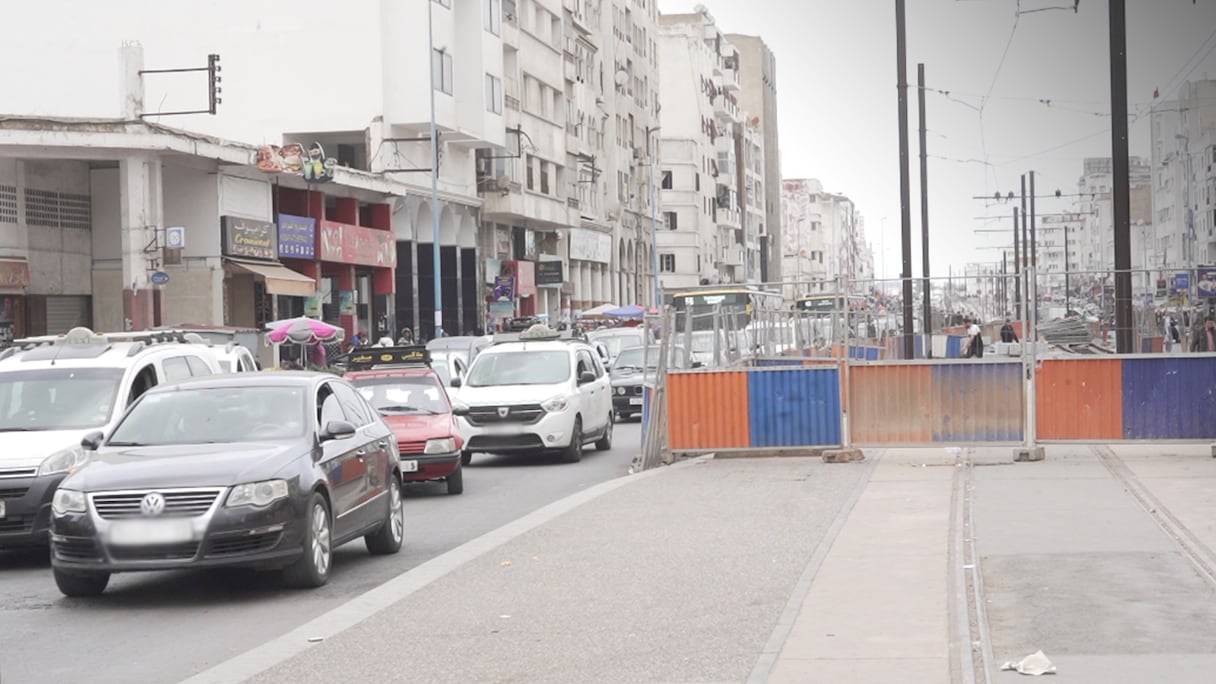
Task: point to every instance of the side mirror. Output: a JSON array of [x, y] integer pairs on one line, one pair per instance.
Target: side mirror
[[586, 377], [455, 382], [92, 440], [459, 409], [337, 429]]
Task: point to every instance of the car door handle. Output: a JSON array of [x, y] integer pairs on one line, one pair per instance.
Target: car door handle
[[383, 444], [360, 452]]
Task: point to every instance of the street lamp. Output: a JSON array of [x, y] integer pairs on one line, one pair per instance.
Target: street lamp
[[654, 225], [1189, 221], [430, 39]]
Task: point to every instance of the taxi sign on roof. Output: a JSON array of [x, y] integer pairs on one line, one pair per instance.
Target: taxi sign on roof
[[83, 336], [379, 357]]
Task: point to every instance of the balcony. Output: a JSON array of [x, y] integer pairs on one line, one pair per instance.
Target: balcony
[[730, 75], [726, 109], [516, 205]]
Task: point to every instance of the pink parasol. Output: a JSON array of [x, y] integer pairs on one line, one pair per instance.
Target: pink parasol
[[306, 330]]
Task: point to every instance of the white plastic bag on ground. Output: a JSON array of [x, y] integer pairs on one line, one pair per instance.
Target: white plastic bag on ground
[[1034, 664]]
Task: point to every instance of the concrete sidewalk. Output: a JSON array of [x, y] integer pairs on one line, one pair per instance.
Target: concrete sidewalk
[[794, 571]]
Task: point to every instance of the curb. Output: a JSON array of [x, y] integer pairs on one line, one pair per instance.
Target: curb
[[359, 608]]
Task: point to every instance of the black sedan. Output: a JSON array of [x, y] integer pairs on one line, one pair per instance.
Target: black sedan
[[269, 470], [629, 381]]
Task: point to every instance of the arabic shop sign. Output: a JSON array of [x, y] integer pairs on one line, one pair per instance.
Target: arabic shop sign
[[293, 159], [297, 237], [346, 244], [250, 239]]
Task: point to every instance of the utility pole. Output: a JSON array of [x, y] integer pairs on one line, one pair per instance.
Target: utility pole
[[927, 288], [1017, 269], [1034, 258], [905, 210], [435, 249], [1004, 288], [1120, 192], [1067, 280]]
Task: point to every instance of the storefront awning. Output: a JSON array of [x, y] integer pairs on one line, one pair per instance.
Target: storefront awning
[[279, 280]]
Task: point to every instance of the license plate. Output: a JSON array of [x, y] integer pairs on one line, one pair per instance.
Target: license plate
[[2, 510], [150, 532], [635, 402], [409, 466]]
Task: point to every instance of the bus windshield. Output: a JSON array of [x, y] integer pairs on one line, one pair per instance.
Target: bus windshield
[[701, 306]]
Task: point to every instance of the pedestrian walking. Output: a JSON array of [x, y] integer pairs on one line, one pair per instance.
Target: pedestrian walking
[[1174, 337], [1007, 332], [1205, 339]]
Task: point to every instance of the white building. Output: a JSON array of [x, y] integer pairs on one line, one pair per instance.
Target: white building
[[1184, 176], [1096, 245], [703, 233], [823, 240], [758, 75], [1059, 238]]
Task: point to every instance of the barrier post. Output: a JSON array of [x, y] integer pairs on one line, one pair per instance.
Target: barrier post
[[846, 452], [1031, 451]]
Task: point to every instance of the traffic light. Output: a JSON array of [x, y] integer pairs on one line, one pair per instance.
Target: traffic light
[[213, 83]]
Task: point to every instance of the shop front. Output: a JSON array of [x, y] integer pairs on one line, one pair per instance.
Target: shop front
[[253, 275], [14, 278]]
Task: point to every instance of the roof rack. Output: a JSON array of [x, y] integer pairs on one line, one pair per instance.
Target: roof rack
[[388, 357], [82, 336]]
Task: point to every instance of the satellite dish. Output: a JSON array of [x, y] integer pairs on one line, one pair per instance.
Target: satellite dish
[[622, 78]]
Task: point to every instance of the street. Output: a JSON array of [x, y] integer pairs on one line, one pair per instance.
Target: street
[[163, 627]]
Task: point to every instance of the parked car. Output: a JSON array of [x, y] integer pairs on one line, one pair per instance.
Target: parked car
[[264, 470], [466, 348], [636, 368], [401, 384], [55, 390], [617, 339], [537, 393]]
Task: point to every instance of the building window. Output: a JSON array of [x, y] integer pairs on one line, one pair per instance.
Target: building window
[[666, 184], [493, 16], [493, 94], [544, 177], [441, 71], [667, 263], [531, 166], [671, 220]]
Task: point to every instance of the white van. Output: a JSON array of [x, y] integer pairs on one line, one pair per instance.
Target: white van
[[56, 389]]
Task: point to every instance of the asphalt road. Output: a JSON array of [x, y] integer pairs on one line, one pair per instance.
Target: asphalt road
[[163, 627]]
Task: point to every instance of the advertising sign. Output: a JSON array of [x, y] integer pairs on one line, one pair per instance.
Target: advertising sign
[[549, 273], [346, 244], [250, 239], [1206, 281], [14, 274], [504, 289], [293, 159], [297, 237], [1182, 281]]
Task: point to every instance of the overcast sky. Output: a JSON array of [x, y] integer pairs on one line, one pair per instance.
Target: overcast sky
[[300, 66], [837, 102]]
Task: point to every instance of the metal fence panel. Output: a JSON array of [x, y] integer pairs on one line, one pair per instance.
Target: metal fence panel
[[1079, 399], [707, 410], [978, 402], [791, 408], [1169, 398], [890, 404]]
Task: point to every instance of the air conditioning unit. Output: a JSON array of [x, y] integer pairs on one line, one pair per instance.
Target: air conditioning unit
[[637, 153]]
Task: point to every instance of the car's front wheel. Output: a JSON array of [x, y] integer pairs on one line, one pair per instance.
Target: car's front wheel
[[311, 569], [81, 584], [387, 539], [574, 452], [455, 481]]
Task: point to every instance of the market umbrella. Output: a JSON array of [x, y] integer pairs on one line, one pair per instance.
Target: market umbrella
[[599, 310], [306, 330], [627, 311]]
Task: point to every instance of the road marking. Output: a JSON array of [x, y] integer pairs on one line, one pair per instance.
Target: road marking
[[261, 658], [785, 624]]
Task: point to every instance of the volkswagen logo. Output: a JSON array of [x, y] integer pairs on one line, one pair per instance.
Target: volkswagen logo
[[152, 504], [503, 411]]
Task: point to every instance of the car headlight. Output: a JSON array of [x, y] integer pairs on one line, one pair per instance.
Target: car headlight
[[67, 501], [620, 390], [257, 493], [556, 404], [66, 461], [445, 445]]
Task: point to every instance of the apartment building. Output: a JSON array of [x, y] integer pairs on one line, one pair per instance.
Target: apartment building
[[1184, 176], [703, 140], [758, 75], [823, 240], [1096, 256]]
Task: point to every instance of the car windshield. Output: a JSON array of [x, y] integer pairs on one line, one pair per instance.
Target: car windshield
[[402, 396], [213, 415], [635, 357], [520, 368], [617, 342], [440, 366], [57, 398]]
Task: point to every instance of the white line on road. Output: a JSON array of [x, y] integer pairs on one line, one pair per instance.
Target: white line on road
[[367, 604]]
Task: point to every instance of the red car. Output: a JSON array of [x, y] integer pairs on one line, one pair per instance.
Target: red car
[[400, 383]]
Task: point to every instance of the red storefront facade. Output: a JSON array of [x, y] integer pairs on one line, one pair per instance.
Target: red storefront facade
[[354, 259]]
